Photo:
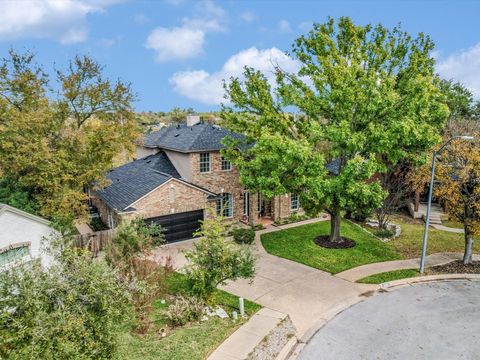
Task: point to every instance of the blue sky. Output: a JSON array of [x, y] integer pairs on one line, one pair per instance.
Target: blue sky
[[176, 52]]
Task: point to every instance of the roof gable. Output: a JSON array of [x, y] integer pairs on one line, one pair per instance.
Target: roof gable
[[7, 208], [131, 181]]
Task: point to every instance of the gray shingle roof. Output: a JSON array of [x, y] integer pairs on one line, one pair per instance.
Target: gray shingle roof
[[131, 181], [333, 166], [199, 137]]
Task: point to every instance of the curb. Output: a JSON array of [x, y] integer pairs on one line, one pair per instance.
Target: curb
[[387, 286], [428, 278], [329, 315]]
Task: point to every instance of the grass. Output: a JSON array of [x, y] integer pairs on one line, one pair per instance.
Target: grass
[[192, 342], [298, 244], [409, 243], [452, 224], [389, 276]]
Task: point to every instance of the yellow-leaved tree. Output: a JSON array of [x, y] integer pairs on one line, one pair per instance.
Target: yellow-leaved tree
[[458, 182], [54, 143]]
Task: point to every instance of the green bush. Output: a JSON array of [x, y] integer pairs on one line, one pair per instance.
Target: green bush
[[75, 309], [295, 217], [384, 233], [135, 236], [243, 235], [184, 310], [97, 224]]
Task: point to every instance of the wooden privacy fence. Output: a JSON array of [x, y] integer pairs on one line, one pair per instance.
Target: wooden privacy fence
[[96, 241]]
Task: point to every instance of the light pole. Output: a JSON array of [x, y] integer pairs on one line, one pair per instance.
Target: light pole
[[429, 205]]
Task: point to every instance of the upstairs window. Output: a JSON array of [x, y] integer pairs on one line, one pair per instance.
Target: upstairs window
[[226, 165], [204, 162], [294, 202], [225, 205]]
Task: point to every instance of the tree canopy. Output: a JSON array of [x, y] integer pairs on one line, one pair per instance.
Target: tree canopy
[[55, 143], [458, 179], [364, 96]]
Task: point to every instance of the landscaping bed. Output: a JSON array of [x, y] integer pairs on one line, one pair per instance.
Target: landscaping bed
[[298, 244], [456, 267], [192, 341]]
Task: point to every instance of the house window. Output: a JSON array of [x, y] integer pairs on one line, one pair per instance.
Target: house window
[[13, 253], [225, 205], [204, 162], [226, 165], [294, 202], [246, 202]]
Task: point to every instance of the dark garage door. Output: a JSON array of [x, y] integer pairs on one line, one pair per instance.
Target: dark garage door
[[180, 226]]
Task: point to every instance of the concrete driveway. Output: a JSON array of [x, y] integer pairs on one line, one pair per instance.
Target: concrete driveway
[[424, 321], [308, 295]]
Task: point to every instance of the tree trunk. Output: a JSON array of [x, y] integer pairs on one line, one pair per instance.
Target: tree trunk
[[467, 257], [417, 200], [335, 229]]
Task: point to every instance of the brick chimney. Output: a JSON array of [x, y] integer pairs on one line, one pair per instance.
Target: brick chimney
[[192, 119]]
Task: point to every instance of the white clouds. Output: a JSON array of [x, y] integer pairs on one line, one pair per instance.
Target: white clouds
[[284, 26], [187, 41], [207, 87], [62, 20], [248, 17], [175, 43], [464, 67]]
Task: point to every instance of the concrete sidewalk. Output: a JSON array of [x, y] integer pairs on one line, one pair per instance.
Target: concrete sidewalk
[[248, 336], [448, 229], [360, 272], [304, 293], [309, 296]]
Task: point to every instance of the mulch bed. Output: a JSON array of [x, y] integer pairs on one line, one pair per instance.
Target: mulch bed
[[324, 241], [456, 267]]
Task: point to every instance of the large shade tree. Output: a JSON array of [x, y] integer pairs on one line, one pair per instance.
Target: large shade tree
[[364, 97], [55, 143]]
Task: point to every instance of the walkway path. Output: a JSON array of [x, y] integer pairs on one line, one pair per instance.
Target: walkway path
[[446, 228], [248, 336], [360, 272], [436, 214], [306, 294]]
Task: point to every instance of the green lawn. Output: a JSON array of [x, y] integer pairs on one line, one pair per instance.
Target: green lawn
[[298, 244], [452, 224], [191, 342], [389, 276], [409, 243]]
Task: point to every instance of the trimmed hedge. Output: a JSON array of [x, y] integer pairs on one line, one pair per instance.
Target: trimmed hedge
[[243, 236]]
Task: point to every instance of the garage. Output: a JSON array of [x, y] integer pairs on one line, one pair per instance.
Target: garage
[[179, 226]]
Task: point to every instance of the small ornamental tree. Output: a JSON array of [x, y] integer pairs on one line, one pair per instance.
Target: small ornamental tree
[[214, 260], [366, 98], [458, 177], [75, 309], [129, 254]]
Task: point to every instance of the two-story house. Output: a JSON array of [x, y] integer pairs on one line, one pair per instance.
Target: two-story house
[[178, 174]]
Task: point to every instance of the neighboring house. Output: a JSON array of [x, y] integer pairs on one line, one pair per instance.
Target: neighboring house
[[21, 236], [179, 173]]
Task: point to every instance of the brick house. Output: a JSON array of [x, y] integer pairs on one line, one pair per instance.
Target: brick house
[[178, 174]]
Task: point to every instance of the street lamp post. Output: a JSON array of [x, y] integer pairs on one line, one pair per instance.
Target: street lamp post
[[430, 191]]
